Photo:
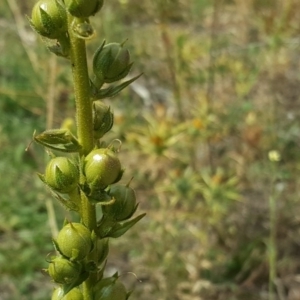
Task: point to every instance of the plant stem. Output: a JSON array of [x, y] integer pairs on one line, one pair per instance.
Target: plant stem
[[272, 235], [84, 126], [83, 109], [82, 91], [272, 246]]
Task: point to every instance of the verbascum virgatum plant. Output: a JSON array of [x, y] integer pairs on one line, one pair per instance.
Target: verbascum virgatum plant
[[87, 172]]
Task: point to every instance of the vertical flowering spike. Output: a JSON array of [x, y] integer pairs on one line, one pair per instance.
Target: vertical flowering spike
[[83, 247]]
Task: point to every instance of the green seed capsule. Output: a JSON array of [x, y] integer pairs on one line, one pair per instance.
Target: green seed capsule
[[110, 289], [49, 19], [74, 241], [102, 168], [61, 175], [74, 294], [124, 205], [83, 8], [64, 271], [111, 62]]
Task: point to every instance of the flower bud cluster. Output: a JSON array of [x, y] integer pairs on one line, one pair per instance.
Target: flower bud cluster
[[49, 17], [95, 174]]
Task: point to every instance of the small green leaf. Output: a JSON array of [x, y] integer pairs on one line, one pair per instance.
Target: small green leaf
[[101, 94], [105, 227], [58, 139], [66, 203], [42, 177], [118, 229], [58, 50], [100, 272], [82, 277], [114, 89], [102, 250]]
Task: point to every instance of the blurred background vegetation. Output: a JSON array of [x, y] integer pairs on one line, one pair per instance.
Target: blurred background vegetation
[[210, 134]]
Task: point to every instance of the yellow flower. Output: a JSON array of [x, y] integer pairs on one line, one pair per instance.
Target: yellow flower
[[274, 155]]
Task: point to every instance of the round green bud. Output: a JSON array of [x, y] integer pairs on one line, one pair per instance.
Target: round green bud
[[74, 294], [102, 168], [83, 8], [111, 62], [74, 241], [61, 175], [124, 205], [64, 271], [110, 289], [49, 19], [103, 119]]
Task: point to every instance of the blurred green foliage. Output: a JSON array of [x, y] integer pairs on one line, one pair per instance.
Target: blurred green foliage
[[220, 90]]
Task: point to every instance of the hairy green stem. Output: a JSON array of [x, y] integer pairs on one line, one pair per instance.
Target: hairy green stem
[[84, 126], [82, 91], [83, 110]]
